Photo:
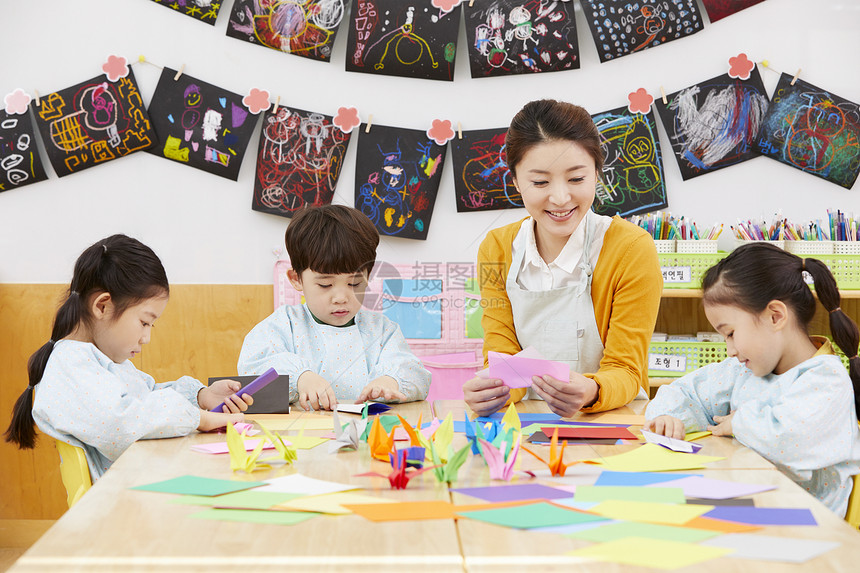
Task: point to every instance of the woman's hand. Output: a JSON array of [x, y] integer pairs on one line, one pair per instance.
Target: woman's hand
[[566, 398], [668, 426], [485, 395], [213, 420], [224, 391]]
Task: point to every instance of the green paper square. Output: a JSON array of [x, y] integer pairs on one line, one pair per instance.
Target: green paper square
[[623, 529], [630, 493], [194, 485], [531, 515]]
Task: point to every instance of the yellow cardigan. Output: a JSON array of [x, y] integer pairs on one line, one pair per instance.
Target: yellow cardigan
[[625, 290]]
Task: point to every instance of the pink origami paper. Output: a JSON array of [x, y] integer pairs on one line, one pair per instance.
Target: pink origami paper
[[221, 447], [517, 371]]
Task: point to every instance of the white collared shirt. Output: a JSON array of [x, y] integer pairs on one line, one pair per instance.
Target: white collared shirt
[[535, 274]]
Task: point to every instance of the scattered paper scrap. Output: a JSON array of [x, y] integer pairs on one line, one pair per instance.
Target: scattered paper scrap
[[767, 548], [195, 485], [645, 552]]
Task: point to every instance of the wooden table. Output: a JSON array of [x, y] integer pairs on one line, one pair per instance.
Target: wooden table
[[113, 527]]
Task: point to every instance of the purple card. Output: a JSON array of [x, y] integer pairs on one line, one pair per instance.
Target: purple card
[[517, 371], [706, 488], [514, 492], [763, 515]]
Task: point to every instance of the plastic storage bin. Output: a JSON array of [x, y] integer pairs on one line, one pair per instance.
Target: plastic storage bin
[[674, 359], [685, 270], [696, 246]]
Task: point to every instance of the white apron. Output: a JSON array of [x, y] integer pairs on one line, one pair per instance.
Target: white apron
[[558, 322]]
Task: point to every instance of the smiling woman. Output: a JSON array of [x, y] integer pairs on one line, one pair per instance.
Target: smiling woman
[[580, 288]]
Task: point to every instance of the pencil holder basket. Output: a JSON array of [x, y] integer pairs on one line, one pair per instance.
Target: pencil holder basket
[[845, 269], [846, 247], [809, 247], [685, 270], [674, 359], [740, 242], [696, 246], [665, 246]]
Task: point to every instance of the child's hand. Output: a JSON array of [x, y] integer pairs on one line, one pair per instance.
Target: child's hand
[[384, 388], [564, 397], [668, 426], [315, 393], [485, 395], [224, 391], [723, 427], [213, 420]]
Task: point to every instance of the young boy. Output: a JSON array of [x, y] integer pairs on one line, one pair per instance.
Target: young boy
[[331, 347]]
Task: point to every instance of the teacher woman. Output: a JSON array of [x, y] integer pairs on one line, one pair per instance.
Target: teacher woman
[[579, 287]]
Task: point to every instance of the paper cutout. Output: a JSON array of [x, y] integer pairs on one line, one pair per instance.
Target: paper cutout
[[719, 9], [517, 492], [204, 11], [299, 159], [256, 101], [17, 102], [644, 552], [93, 122], [768, 548], [556, 464], [347, 436], [517, 371], [305, 28], [611, 418], [194, 485], [346, 119], [740, 67], [302, 442], [720, 525], [441, 131], [620, 530], [671, 443], [20, 161], [763, 515], [115, 67], [397, 178], [664, 493], [542, 439], [247, 499], [404, 42], [632, 180], [403, 511], [706, 488], [528, 516], [716, 502], [255, 516], [298, 483], [663, 513], [629, 478], [640, 101], [590, 432], [696, 435], [331, 503], [508, 37], [372, 408], [650, 457]]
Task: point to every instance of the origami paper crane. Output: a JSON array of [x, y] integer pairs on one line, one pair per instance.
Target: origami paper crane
[[501, 468], [379, 442], [446, 471], [399, 476], [239, 458], [511, 419], [556, 464], [414, 456], [285, 453], [476, 430], [347, 437]]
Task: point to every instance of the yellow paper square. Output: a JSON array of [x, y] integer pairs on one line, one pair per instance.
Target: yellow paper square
[[653, 458], [329, 503], [656, 553], [650, 512]]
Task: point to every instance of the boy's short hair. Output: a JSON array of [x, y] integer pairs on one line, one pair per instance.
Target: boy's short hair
[[331, 239]]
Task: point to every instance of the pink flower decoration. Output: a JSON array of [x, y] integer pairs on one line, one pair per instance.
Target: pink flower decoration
[[740, 67], [115, 67], [17, 102], [441, 131], [640, 101], [256, 101], [346, 119], [446, 5]]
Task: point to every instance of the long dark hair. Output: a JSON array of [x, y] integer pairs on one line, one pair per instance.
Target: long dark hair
[[123, 267], [755, 274]]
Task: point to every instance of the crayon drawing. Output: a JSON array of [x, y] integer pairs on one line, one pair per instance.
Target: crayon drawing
[[299, 161], [203, 10], [482, 180], [200, 125], [509, 37], [304, 28], [409, 38], [20, 163], [813, 130], [93, 122], [719, 9], [396, 179], [714, 124], [632, 179], [621, 27]]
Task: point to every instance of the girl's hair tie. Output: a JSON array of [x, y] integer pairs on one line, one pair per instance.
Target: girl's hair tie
[[73, 293], [30, 387], [838, 308], [51, 342], [852, 358], [802, 265]]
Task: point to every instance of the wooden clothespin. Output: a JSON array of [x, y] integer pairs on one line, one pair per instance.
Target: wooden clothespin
[[459, 131], [179, 73], [38, 101], [277, 102], [663, 95], [369, 123], [794, 79], [471, 3]]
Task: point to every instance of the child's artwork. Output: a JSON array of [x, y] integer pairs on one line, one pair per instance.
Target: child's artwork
[[509, 37], [714, 124], [20, 163], [719, 9], [203, 10], [304, 28], [416, 39], [633, 179], [482, 180], [396, 179], [813, 130], [200, 125], [621, 27], [298, 162], [93, 122]]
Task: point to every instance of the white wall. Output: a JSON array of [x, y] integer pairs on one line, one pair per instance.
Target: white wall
[[203, 226]]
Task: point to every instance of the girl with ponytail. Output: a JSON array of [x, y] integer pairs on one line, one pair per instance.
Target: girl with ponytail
[[781, 392], [84, 390]]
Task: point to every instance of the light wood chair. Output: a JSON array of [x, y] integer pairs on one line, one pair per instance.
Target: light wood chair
[[74, 471]]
